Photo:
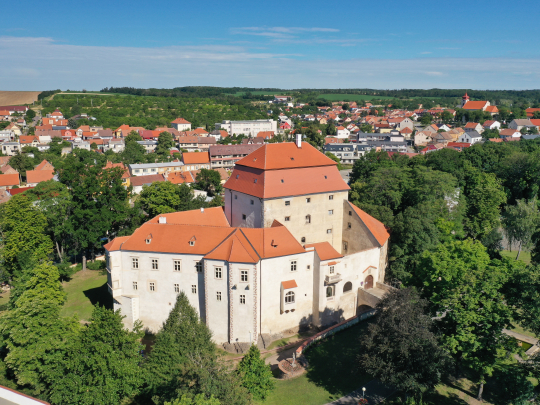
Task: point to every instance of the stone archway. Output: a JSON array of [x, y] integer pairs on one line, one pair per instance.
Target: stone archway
[[368, 283]]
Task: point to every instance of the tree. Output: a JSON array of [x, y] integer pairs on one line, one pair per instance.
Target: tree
[[25, 241], [21, 163], [465, 289], [485, 196], [330, 129], [521, 221], [93, 146], [163, 197], [133, 152], [345, 106], [101, 365], [199, 399], [367, 128], [335, 159], [513, 386], [256, 374], [33, 332], [30, 114], [209, 180], [446, 116], [182, 338], [426, 119], [164, 145], [400, 348]]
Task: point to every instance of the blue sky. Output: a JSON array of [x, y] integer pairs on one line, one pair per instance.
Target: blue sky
[[287, 44]]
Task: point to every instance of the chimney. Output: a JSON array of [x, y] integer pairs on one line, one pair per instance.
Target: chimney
[[162, 220], [202, 209], [299, 140]]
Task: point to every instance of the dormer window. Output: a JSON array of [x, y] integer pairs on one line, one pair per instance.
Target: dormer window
[[237, 175], [255, 181], [192, 241], [149, 239]]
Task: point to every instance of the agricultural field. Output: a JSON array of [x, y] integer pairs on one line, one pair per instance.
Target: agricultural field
[[261, 93], [352, 97], [18, 97]]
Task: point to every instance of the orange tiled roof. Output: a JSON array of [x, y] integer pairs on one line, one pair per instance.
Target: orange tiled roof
[[289, 284], [285, 156], [180, 177], [235, 248], [492, 109], [37, 176], [282, 183], [325, 251], [180, 121], [471, 125], [200, 131], [9, 180], [377, 228], [44, 165], [195, 157], [209, 216], [474, 105], [116, 243], [26, 139]]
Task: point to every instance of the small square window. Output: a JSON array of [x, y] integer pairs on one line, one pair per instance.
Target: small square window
[[331, 197], [134, 263], [252, 202], [218, 273], [328, 231], [236, 197], [177, 288], [349, 225], [308, 200], [287, 218], [154, 264], [177, 265], [293, 265], [243, 276], [152, 286], [218, 296], [242, 299], [303, 239], [135, 285], [193, 289], [243, 216], [309, 267], [287, 203], [330, 212]]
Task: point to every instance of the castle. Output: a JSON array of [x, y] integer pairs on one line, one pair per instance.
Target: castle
[[287, 250]]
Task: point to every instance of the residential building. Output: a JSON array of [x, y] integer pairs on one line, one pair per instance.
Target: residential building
[[509, 133], [471, 137], [342, 133], [491, 124], [180, 124], [11, 148], [196, 160], [225, 156], [248, 128], [346, 152], [8, 181], [139, 181], [246, 268], [518, 124], [145, 169]]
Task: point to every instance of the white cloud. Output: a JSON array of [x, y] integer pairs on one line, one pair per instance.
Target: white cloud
[[44, 64]]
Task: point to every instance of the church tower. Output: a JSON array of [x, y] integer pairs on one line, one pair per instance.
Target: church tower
[[464, 100]]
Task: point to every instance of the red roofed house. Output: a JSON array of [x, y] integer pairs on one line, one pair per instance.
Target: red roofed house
[[42, 172], [7, 181], [181, 124], [196, 160], [473, 126], [531, 111], [287, 251]]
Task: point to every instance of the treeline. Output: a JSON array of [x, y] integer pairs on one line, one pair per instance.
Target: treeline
[[45, 94], [189, 91]]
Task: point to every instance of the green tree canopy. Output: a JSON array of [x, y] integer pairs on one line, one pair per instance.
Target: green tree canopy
[[209, 180], [520, 223], [256, 374], [163, 197]]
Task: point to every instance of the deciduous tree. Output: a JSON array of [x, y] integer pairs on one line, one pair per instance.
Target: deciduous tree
[[256, 374]]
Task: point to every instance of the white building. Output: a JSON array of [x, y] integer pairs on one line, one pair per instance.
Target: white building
[[249, 128], [342, 132], [287, 251], [470, 137], [181, 124]]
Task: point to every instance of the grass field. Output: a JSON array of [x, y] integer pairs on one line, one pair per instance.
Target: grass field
[[523, 256], [18, 97], [84, 290], [351, 97]]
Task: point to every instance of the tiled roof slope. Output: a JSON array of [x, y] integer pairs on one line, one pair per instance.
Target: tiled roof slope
[[282, 183], [209, 216], [377, 228], [37, 176], [285, 156], [236, 248], [325, 251]]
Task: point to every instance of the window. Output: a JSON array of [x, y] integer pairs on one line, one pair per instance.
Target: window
[[308, 267], [331, 197], [218, 296], [330, 212], [308, 219], [332, 269], [308, 200], [177, 288], [236, 197], [347, 287], [287, 218], [242, 299], [289, 298], [349, 225], [252, 202], [148, 241], [243, 216], [135, 285], [350, 213], [303, 239], [287, 203], [152, 285], [293, 265], [328, 231], [191, 243], [218, 273], [329, 291], [154, 264], [255, 181], [193, 289], [243, 276], [134, 263], [199, 267], [177, 265], [345, 246]]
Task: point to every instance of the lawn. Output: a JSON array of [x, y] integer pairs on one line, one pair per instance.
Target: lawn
[[523, 256], [352, 97], [85, 289], [330, 376]]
